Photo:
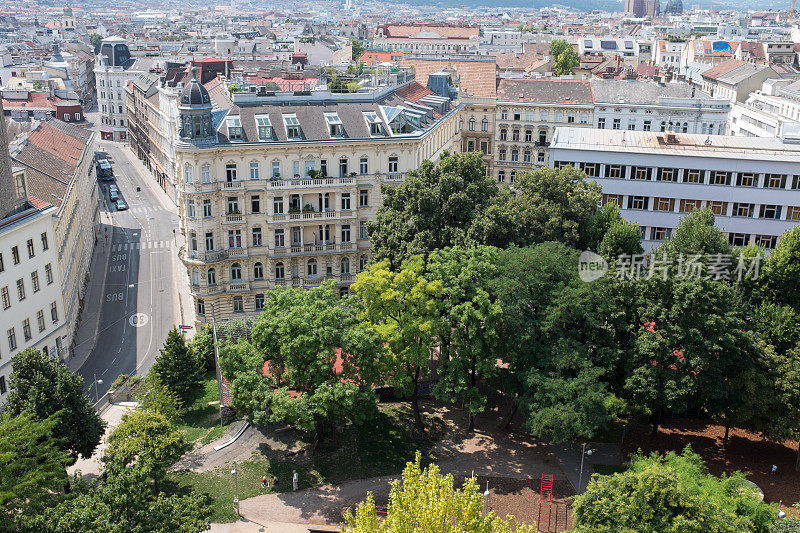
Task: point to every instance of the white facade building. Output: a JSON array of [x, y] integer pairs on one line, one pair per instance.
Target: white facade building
[[668, 54], [764, 115], [114, 66], [621, 46], [752, 185]]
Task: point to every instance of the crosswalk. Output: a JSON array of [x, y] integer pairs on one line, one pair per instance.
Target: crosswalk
[[144, 210], [143, 245]]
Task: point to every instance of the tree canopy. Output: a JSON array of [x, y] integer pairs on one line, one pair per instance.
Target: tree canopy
[[563, 57], [44, 387], [177, 367]]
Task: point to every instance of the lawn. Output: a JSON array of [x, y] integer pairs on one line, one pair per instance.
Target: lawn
[[200, 421], [381, 447]]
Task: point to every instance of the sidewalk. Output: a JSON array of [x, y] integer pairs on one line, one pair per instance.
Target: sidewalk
[[88, 329], [112, 414], [569, 458], [246, 526]]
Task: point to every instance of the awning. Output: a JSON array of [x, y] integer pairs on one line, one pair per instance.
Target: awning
[[106, 129]]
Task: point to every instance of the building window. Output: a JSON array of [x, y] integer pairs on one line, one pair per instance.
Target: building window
[[540, 157], [280, 240], [613, 171], [615, 199], [667, 174], [641, 173], [195, 277], [501, 176], [2, 265], [211, 276], [255, 204], [188, 174], [343, 167], [793, 213], [746, 179], [205, 174], [528, 136], [770, 211], [647, 125], [638, 202], [234, 238], [236, 272], [615, 125], [664, 204], [526, 156], [515, 156], [21, 289], [766, 241], [254, 171], [743, 209], [238, 304], [515, 135], [230, 172], [362, 263], [35, 280], [504, 114], [775, 181], [201, 307], [345, 266], [279, 271], [12, 340], [570, 118], [393, 165], [363, 166], [558, 117], [503, 134], [233, 205], [601, 123], [501, 154], [694, 176], [190, 208], [346, 233], [720, 178], [259, 302], [15, 254], [258, 271], [40, 320], [687, 206], [363, 233], [256, 236], [584, 118], [209, 241], [44, 241], [346, 201], [718, 208], [48, 273], [26, 329], [659, 234], [207, 208], [276, 169], [277, 205], [311, 268], [738, 239], [54, 312], [471, 124], [6, 298], [512, 176], [484, 125], [363, 198]]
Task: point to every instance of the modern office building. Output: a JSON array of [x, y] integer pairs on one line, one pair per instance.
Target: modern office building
[[752, 185], [278, 189]]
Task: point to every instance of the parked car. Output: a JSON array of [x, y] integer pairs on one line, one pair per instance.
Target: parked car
[[113, 196], [121, 205], [113, 188], [104, 170]]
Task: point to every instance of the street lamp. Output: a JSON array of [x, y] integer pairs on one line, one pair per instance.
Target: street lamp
[[486, 500], [584, 453], [96, 382], [235, 475], [216, 362], [781, 512]]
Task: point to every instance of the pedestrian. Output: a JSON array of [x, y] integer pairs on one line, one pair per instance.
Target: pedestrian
[[774, 469], [263, 482], [295, 480]]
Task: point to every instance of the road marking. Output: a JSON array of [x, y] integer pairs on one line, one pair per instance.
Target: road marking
[[139, 319]]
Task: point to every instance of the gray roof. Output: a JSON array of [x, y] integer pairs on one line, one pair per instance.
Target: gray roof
[[637, 92]]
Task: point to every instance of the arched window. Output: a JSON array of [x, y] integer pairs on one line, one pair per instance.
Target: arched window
[[345, 265], [212, 276], [503, 134], [279, 272], [236, 272], [472, 124], [502, 154], [188, 174], [195, 277], [311, 268], [484, 125], [258, 271], [193, 241], [514, 155]]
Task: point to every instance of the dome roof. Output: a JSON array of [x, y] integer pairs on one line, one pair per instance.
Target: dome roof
[[194, 93]]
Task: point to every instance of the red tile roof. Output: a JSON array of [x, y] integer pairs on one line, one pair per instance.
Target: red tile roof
[[34, 100], [475, 77], [723, 68], [414, 92], [408, 31]]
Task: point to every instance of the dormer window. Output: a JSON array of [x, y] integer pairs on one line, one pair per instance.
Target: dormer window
[[264, 128], [335, 126], [235, 132], [293, 131], [375, 124]]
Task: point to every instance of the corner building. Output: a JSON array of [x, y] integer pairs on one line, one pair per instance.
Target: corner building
[[278, 189]]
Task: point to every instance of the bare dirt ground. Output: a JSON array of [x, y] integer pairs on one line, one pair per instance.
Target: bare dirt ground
[[746, 451]]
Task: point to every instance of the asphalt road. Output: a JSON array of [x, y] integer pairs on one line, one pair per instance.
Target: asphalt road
[[138, 306]]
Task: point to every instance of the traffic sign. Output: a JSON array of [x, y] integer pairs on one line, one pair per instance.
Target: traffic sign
[[184, 326]]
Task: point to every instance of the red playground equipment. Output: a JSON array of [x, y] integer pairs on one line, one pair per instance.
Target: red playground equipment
[[546, 496]]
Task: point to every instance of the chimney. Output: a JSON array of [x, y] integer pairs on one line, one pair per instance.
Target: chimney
[[10, 200]]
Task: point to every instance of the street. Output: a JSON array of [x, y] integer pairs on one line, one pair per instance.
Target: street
[[135, 299]]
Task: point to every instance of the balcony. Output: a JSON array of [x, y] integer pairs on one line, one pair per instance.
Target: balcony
[[237, 252], [233, 218], [238, 287], [308, 183], [394, 176], [202, 257], [236, 184], [206, 291]]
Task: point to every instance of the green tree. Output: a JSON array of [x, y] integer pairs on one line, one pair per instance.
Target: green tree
[[405, 309], [450, 203], [176, 367], [155, 396], [789, 525], [778, 325], [781, 276], [469, 340], [358, 49], [671, 494], [311, 363], [146, 439], [44, 386], [563, 56], [615, 236], [697, 234], [32, 467], [95, 40], [426, 500], [202, 347], [126, 502], [554, 205]]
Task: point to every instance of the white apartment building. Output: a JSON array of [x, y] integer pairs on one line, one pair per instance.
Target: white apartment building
[[752, 185], [650, 106], [668, 54], [278, 190], [621, 46], [765, 115], [114, 66]]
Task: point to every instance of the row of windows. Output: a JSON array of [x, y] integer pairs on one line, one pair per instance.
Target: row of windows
[[735, 239], [5, 294], [29, 247], [678, 175], [102, 83], [647, 125], [279, 271], [310, 168], [324, 237], [544, 116], [27, 335], [719, 207], [294, 204], [502, 154], [515, 135]]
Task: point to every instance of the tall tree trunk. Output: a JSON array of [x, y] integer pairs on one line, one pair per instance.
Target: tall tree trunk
[[418, 425], [797, 460], [472, 381], [514, 405], [725, 438]]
